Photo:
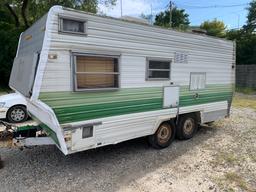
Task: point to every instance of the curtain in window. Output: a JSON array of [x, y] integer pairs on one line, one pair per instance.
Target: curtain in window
[[95, 72]]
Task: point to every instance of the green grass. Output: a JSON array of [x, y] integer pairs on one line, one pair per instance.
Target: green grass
[[246, 90]]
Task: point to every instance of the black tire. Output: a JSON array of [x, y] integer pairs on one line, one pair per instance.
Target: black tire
[[17, 114], [187, 126], [164, 135]]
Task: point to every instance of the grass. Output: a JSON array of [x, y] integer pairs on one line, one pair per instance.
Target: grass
[[246, 90], [231, 181], [225, 158], [244, 101], [237, 180]]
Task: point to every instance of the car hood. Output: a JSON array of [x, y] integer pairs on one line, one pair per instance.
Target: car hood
[[14, 97]]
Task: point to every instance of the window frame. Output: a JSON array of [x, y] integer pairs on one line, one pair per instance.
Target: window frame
[[74, 72], [197, 73], [84, 21], [157, 59]]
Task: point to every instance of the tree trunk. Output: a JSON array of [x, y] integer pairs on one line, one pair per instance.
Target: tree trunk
[[17, 23], [23, 12]]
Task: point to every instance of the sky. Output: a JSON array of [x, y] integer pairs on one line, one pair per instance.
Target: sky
[[198, 10]]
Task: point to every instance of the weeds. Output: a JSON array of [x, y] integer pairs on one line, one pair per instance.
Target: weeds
[[246, 90], [225, 158], [244, 102], [237, 180]]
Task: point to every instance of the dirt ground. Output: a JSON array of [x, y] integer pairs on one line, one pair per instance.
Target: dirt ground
[[221, 157]]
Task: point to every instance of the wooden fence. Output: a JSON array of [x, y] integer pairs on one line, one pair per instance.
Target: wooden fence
[[246, 76]]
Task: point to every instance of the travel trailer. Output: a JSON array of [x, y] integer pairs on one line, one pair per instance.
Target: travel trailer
[[92, 81]]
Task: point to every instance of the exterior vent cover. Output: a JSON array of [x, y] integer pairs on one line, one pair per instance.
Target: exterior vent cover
[[87, 132], [180, 57]]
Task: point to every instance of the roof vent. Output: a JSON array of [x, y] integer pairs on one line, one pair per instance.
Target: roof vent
[[199, 31]]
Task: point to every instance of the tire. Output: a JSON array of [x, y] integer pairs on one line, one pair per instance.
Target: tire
[[164, 135], [17, 114], [187, 127]]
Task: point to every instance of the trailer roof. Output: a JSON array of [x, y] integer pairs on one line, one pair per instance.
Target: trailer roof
[[145, 24]]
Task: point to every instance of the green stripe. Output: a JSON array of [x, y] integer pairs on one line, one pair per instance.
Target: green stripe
[[48, 130], [50, 133], [80, 106]]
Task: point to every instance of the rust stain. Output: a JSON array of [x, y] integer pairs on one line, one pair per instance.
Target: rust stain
[[28, 37]]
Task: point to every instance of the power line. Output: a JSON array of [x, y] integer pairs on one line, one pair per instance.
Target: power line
[[212, 6]]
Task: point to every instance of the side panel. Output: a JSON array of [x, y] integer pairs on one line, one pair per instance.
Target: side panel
[[74, 107], [214, 115], [136, 43], [112, 130]]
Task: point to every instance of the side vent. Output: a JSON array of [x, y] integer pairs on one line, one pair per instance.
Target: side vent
[[181, 57], [87, 132]]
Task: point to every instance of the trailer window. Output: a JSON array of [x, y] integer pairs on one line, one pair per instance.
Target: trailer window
[[158, 69], [72, 26], [94, 72], [197, 81]]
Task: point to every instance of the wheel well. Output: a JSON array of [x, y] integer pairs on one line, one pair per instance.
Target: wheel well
[[196, 114], [18, 105]]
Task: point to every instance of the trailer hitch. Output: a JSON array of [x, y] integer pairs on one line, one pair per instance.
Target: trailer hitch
[[6, 137], [6, 134]]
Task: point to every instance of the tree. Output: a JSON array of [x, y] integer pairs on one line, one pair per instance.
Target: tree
[[214, 28], [246, 38], [28, 11], [17, 15], [148, 17], [179, 18], [251, 18]]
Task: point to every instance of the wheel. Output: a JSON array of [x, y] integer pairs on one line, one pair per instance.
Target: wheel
[[164, 135], [17, 114], [187, 126]]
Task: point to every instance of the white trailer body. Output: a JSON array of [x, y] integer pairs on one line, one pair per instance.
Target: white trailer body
[[93, 81]]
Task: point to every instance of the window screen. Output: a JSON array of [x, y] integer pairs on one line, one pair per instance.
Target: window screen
[[197, 81], [72, 26], [158, 69], [93, 72]]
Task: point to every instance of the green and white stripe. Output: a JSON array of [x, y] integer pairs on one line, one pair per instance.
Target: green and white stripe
[[80, 106]]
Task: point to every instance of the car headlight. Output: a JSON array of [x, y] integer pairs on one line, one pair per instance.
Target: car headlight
[[2, 104]]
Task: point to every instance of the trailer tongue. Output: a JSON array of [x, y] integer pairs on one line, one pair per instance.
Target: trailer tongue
[[24, 136]]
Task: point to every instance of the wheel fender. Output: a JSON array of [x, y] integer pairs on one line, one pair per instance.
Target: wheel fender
[[160, 120]]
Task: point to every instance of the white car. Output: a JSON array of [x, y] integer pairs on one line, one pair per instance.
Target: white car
[[13, 108]]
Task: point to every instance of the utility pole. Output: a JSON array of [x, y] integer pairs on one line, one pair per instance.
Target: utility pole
[[238, 21], [121, 4], [151, 15], [170, 6]]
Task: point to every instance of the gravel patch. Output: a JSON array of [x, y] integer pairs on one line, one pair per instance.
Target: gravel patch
[[221, 157]]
